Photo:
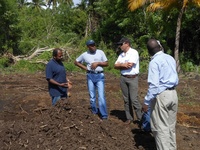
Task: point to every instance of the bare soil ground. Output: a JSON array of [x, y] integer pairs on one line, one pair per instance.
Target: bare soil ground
[[29, 122]]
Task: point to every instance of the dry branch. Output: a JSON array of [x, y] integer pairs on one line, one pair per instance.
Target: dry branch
[[37, 52]]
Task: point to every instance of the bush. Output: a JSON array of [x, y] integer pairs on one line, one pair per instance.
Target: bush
[[188, 67], [4, 62], [26, 66]]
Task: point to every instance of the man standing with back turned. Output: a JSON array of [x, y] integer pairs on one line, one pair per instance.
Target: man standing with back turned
[[128, 64], [161, 97], [95, 60]]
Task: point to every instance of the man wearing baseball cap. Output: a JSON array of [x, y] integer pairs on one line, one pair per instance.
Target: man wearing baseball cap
[[128, 64], [95, 60]]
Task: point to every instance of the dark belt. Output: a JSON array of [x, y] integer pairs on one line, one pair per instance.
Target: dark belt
[[94, 72], [172, 88], [130, 76]]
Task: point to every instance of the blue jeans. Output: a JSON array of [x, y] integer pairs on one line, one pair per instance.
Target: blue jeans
[[55, 99], [96, 82]]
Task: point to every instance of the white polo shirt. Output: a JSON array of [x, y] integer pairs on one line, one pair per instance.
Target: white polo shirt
[[131, 56]]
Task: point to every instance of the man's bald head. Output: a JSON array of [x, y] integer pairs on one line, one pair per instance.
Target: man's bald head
[[153, 46]]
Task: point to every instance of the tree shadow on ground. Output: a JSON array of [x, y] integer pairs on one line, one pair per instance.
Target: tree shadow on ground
[[144, 140], [119, 114]]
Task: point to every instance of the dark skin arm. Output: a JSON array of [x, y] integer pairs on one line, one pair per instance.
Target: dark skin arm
[[80, 65], [58, 84], [144, 108], [93, 65], [96, 64]]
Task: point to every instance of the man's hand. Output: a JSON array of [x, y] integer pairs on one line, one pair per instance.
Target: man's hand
[[64, 84], [94, 65], [69, 84], [128, 65], [144, 108]]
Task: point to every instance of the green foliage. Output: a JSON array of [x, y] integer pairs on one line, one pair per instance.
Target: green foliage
[[26, 66], [45, 56], [4, 62], [188, 67], [45, 28], [71, 20], [27, 26], [186, 64], [70, 66], [9, 32], [190, 45], [40, 30]]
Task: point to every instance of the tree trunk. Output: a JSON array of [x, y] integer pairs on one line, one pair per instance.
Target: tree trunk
[[177, 40]]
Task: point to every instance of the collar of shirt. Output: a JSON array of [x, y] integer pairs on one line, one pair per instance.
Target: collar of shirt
[[156, 54], [125, 53]]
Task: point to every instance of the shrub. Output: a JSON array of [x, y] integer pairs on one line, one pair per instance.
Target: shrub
[[4, 62]]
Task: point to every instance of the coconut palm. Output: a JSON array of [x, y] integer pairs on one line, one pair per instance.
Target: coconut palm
[[21, 3], [37, 4], [55, 2], [153, 5]]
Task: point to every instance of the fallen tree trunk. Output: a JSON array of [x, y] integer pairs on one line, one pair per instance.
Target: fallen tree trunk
[[37, 52]]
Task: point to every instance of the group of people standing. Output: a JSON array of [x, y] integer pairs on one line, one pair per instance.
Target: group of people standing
[[161, 98]]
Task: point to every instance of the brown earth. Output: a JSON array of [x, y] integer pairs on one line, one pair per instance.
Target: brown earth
[[28, 121]]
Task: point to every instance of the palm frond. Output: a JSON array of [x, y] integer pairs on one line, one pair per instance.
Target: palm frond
[[155, 6], [134, 4], [185, 2], [160, 4], [197, 2]]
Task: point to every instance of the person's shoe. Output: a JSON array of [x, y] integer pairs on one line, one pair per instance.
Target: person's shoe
[[104, 119], [128, 122], [136, 122]]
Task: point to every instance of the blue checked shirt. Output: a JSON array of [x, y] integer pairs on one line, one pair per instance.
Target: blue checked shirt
[[162, 74]]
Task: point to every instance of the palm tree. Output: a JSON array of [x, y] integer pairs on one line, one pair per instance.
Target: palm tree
[[55, 2], [92, 20], [21, 3], [37, 4], [166, 5]]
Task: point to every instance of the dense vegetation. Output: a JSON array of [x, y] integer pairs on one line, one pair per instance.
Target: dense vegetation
[[29, 25]]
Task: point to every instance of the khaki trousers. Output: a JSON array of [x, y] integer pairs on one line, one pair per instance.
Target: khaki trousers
[[163, 119], [129, 87]]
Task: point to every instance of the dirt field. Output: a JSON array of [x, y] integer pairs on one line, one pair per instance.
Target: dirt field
[[29, 122]]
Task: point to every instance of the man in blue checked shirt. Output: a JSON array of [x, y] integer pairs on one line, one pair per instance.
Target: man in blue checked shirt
[[95, 59], [162, 97]]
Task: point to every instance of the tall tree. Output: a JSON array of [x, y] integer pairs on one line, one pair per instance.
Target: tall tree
[[153, 5], [37, 4], [89, 6], [9, 32], [56, 2], [21, 3]]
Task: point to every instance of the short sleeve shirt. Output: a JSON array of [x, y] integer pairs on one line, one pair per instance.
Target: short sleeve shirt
[[56, 71], [131, 56], [89, 58]]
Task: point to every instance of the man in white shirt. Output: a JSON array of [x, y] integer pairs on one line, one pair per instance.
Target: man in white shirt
[[128, 64]]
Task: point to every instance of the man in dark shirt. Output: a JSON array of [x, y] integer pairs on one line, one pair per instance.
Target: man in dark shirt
[[56, 77]]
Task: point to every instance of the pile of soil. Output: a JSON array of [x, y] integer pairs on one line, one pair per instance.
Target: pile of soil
[[28, 121]]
